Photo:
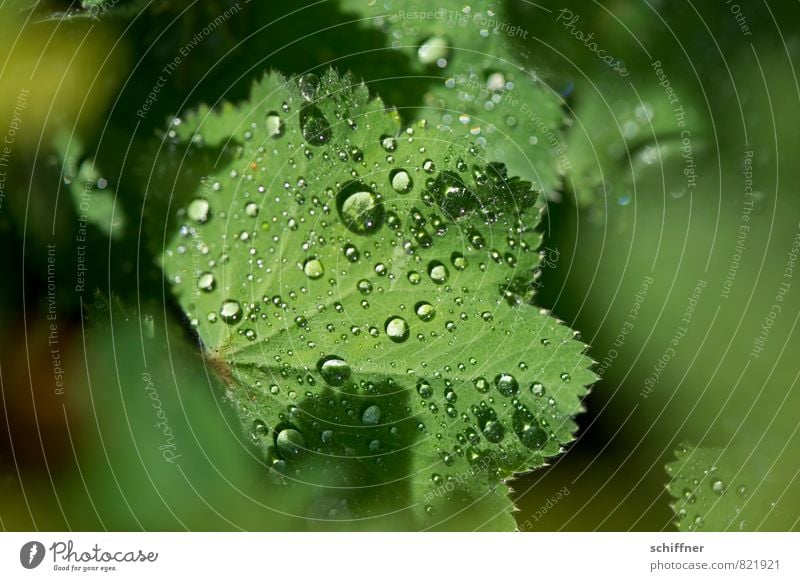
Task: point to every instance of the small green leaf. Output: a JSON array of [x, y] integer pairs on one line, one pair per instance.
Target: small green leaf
[[363, 292], [93, 199], [718, 489]]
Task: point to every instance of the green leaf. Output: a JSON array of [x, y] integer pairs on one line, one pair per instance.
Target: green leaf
[[363, 292], [93, 199], [733, 489], [483, 85]]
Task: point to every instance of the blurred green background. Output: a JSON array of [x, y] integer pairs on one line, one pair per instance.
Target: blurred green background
[[671, 247]]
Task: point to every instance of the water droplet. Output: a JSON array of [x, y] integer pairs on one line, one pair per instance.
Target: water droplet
[[494, 431], [334, 370], [425, 311], [351, 253], [717, 486], [388, 143], [414, 277], [372, 415], [506, 384], [231, 311], [528, 429], [364, 286], [251, 209], [401, 181], [424, 389], [458, 261], [274, 124], [313, 268], [397, 329], [438, 272], [290, 443], [309, 86], [565, 377], [481, 385], [433, 50], [314, 126], [537, 389], [206, 282], [199, 210], [359, 208]]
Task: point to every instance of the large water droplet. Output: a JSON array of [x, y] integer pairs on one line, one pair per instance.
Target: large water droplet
[[334, 370], [230, 311], [206, 282], [314, 126], [506, 384], [199, 210], [434, 50], [313, 268], [274, 124], [290, 443], [372, 415], [425, 311], [528, 429], [438, 272], [397, 329], [359, 208], [309, 86], [424, 389], [251, 209], [401, 181]]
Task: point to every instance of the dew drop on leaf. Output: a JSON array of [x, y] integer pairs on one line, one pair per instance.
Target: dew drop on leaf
[[206, 282], [230, 311], [372, 415], [527, 429], [506, 384], [438, 272], [314, 126], [433, 50], [309, 86], [401, 181], [199, 210], [397, 329], [290, 443], [359, 208], [274, 124], [425, 311], [334, 370], [251, 209], [313, 268]]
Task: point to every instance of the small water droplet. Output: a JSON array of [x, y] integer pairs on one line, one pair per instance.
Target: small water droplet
[[397, 329], [251, 209], [230, 311], [199, 210], [425, 311], [433, 50], [206, 282], [438, 272], [717, 486], [274, 124], [372, 415], [424, 389], [309, 86]]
